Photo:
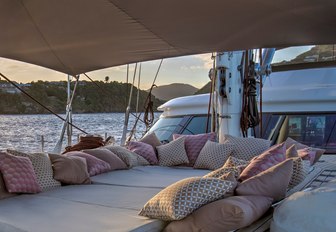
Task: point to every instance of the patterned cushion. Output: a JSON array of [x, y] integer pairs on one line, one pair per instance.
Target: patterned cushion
[[172, 153], [247, 148], [151, 139], [42, 168], [237, 163], [145, 150], [95, 166], [234, 162], [18, 174], [222, 171], [300, 172], [183, 197], [227, 214], [108, 156], [274, 155], [194, 144], [70, 170], [130, 158], [213, 155], [3, 190], [270, 183]]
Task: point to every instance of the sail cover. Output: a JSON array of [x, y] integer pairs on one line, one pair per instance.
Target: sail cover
[[76, 36]]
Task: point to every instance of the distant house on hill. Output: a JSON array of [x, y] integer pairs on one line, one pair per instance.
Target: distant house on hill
[[9, 88]]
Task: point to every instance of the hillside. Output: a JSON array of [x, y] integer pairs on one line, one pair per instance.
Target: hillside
[[167, 92], [316, 53], [205, 89], [111, 97]]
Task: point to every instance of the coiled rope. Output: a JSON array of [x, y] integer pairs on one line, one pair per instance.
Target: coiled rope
[[249, 116]]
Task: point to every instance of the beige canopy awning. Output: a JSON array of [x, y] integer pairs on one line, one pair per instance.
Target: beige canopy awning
[[76, 36]]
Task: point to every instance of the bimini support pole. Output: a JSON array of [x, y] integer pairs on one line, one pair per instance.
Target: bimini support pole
[[69, 111], [58, 146], [128, 110]]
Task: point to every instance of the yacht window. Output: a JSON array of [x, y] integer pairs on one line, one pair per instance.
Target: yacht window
[[165, 127], [197, 125]]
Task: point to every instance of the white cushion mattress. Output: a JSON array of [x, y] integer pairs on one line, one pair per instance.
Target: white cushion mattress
[[148, 176]]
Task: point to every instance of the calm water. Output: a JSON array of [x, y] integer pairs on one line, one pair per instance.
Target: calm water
[[23, 132]]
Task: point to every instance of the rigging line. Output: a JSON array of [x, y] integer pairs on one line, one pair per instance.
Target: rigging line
[[93, 81], [148, 97], [127, 73], [43, 106], [131, 91], [138, 94]]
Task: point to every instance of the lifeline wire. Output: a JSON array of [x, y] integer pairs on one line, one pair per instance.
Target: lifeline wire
[[43, 106]]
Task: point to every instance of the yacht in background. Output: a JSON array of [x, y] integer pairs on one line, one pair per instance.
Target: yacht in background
[[296, 103]]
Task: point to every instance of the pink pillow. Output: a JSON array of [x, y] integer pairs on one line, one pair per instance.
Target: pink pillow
[[95, 166], [145, 150], [18, 174], [274, 155], [307, 154], [194, 144]]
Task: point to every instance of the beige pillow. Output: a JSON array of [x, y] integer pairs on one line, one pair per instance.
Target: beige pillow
[[222, 171], [270, 183], [235, 162], [108, 156], [173, 153], [70, 169], [213, 155], [42, 168], [151, 139], [131, 159], [183, 197], [247, 148], [227, 214]]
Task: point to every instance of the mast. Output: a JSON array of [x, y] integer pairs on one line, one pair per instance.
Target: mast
[[232, 68]]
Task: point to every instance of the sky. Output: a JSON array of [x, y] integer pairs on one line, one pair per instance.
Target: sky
[[192, 70]]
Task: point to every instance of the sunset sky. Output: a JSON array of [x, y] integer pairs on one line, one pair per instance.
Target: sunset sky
[[192, 70]]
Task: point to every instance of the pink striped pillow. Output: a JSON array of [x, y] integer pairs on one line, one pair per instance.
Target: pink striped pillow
[[274, 155], [95, 166], [18, 174], [194, 144], [145, 150]]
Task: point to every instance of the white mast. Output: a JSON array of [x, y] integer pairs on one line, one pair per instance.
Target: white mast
[[230, 67]]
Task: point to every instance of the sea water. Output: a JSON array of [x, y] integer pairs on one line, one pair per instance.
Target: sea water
[[25, 132]]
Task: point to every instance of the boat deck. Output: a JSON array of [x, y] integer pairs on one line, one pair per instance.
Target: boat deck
[[322, 172]]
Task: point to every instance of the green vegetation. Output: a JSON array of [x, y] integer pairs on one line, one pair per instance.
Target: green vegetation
[[110, 97]]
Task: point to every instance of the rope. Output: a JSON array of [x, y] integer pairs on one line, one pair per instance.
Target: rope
[[138, 93], [212, 76], [146, 105], [249, 117], [43, 106]]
